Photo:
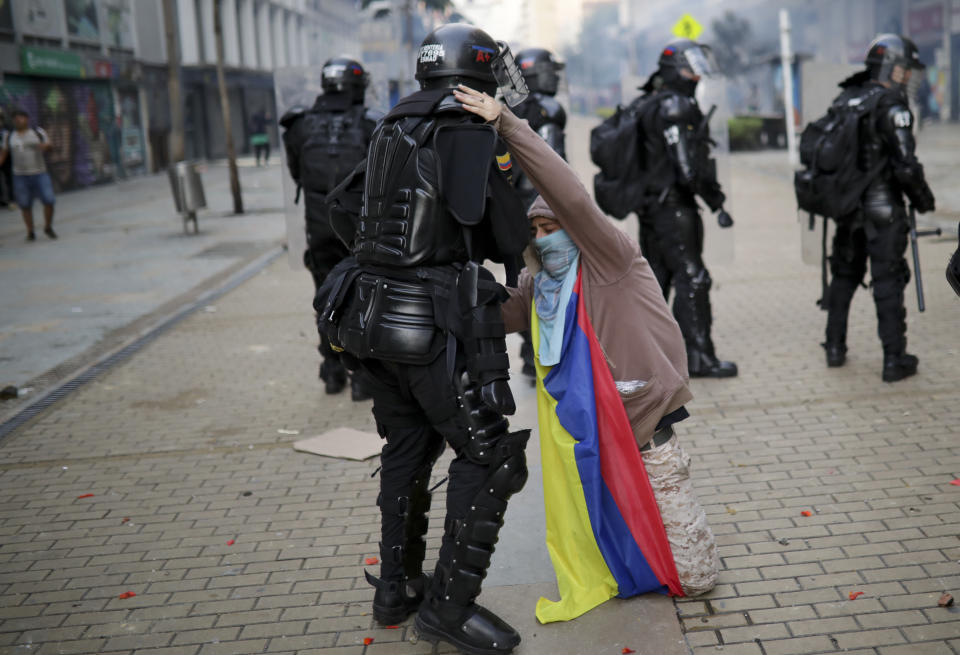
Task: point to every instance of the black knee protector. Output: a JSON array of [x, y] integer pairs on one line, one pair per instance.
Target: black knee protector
[[476, 534], [700, 280]]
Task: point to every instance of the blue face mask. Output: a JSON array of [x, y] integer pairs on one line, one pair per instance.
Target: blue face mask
[[557, 252]]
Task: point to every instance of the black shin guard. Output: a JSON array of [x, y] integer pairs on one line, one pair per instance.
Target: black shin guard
[[450, 613]]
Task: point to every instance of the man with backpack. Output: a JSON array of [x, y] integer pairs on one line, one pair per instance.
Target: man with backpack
[[323, 145], [860, 161], [664, 140], [26, 145]]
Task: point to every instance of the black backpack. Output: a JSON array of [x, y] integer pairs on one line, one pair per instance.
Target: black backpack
[[831, 182], [615, 147], [336, 142]]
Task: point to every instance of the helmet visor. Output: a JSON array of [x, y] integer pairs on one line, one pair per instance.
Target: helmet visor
[[508, 76], [701, 61]]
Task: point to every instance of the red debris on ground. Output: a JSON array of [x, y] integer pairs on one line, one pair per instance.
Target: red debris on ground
[[367, 641], [392, 627], [946, 600], [955, 483], [125, 519], [627, 650], [807, 512], [371, 560], [231, 542], [85, 496], [856, 594], [127, 594]]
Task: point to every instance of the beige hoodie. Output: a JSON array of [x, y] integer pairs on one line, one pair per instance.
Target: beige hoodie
[[639, 337]]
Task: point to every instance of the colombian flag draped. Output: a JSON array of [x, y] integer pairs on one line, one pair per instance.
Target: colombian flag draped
[[604, 531]]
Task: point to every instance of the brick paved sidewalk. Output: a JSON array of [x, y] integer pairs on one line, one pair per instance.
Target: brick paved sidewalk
[[183, 441]]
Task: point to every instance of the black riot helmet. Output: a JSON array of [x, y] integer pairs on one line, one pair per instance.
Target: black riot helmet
[[457, 53], [683, 62], [886, 53], [344, 75], [540, 69]]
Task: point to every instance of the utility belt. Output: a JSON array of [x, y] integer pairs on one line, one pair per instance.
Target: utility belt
[[410, 315]]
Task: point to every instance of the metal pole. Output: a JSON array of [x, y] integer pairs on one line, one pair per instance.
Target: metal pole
[[177, 150], [225, 108], [786, 60]]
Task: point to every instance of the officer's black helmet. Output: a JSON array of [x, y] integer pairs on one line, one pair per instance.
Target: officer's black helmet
[[888, 51], [684, 54], [457, 53], [344, 75], [540, 69]]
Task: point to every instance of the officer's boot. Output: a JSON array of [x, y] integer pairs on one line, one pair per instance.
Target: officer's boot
[[333, 374], [401, 587], [692, 310], [449, 612], [839, 297], [892, 323]]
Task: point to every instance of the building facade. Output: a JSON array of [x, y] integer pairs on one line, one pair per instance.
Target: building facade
[[93, 73]]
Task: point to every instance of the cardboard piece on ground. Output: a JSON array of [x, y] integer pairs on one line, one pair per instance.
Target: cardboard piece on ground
[[343, 443]]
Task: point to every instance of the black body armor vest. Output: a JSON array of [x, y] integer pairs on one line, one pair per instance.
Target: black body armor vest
[[404, 222]]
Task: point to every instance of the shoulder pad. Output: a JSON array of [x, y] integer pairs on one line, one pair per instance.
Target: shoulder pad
[[552, 111], [675, 107], [292, 115], [466, 152], [898, 116]]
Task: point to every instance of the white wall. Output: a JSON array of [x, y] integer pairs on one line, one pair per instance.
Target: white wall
[[187, 22]]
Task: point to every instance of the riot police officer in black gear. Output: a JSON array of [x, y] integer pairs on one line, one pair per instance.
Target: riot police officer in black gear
[[323, 144], [675, 148], [417, 312], [541, 72], [878, 229]]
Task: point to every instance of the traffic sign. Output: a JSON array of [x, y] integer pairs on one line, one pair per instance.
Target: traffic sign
[[688, 28]]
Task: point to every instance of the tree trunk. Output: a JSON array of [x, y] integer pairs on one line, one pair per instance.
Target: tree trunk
[[173, 81], [225, 107]]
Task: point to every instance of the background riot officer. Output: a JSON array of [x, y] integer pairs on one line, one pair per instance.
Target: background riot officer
[[675, 158], [323, 144], [541, 72], [878, 229], [417, 313]]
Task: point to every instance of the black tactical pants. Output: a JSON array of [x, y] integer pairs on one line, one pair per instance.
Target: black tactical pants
[[417, 411], [671, 239], [324, 251], [884, 244]]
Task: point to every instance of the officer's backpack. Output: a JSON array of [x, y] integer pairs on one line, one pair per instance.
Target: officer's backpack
[[335, 144], [615, 146], [831, 182]]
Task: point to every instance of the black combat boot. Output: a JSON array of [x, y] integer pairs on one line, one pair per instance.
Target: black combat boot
[[836, 354], [705, 365], [897, 366], [473, 629], [395, 600], [333, 375]]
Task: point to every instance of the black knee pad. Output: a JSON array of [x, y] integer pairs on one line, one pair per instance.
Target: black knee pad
[[484, 425]]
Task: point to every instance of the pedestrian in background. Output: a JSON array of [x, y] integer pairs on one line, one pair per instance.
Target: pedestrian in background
[[260, 139], [26, 145]]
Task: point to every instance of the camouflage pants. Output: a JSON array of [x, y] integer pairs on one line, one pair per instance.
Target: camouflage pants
[[691, 540]]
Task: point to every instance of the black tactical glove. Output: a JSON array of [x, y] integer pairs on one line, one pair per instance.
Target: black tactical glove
[[724, 219]]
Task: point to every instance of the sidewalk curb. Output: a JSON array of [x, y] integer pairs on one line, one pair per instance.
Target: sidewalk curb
[[117, 354]]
